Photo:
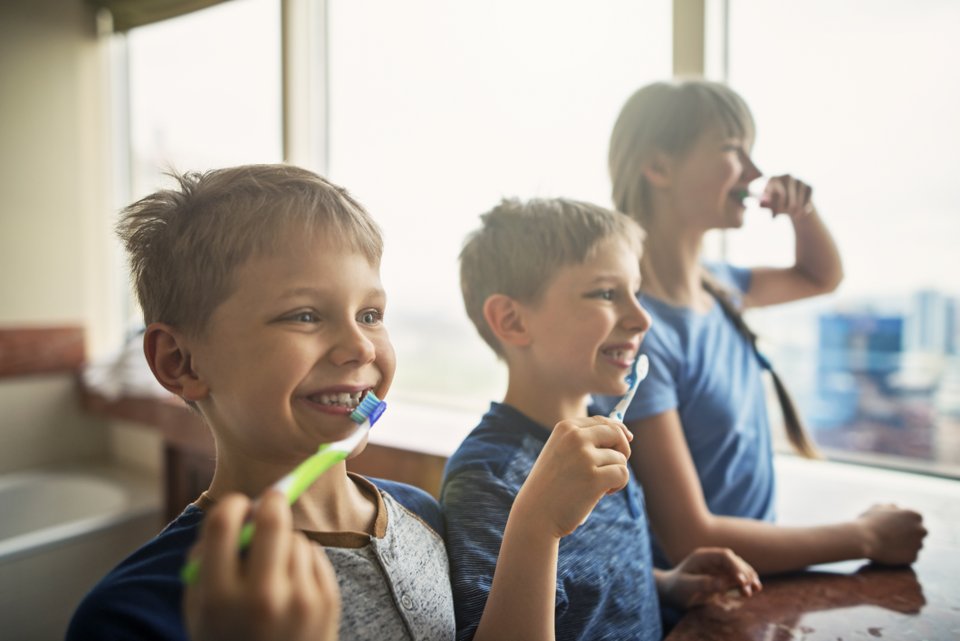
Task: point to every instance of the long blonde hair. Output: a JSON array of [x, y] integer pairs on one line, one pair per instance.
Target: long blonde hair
[[797, 432], [669, 117]]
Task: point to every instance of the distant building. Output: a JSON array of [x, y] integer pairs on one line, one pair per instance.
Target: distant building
[[932, 325], [861, 344], [854, 350]]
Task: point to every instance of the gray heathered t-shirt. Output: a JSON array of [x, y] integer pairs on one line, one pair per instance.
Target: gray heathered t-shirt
[[394, 584]]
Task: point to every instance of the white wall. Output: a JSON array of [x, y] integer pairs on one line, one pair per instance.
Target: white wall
[[55, 246]]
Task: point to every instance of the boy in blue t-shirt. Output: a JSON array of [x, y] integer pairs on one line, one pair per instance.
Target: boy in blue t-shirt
[[551, 286], [260, 287]]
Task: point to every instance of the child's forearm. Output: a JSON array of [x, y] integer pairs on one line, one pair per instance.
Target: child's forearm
[[817, 256], [521, 603], [772, 548]]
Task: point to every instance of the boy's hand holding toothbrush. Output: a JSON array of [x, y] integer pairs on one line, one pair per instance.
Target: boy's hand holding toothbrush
[[583, 460], [282, 588]]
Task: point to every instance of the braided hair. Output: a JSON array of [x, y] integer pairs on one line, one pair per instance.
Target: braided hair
[[797, 433]]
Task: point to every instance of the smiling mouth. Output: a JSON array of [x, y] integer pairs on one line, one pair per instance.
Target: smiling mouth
[[349, 400], [620, 354]]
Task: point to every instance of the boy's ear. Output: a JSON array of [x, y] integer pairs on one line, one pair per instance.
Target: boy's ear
[[657, 169], [169, 358], [504, 317]]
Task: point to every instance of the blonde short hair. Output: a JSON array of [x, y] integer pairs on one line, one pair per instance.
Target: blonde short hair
[[668, 117], [520, 246], [184, 244]]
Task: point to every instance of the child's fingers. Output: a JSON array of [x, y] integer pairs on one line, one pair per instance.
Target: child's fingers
[[613, 477], [752, 582], [747, 577], [315, 592], [311, 570], [806, 197], [606, 420], [325, 578], [743, 573], [217, 545], [611, 434], [324, 574], [301, 566], [270, 548], [788, 195], [800, 197], [606, 456], [793, 195], [774, 195], [305, 593]]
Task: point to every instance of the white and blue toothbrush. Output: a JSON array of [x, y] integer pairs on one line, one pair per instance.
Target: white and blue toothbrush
[[639, 371]]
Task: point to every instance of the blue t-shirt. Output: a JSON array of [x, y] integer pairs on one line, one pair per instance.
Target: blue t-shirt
[[140, 599], [605, 586], [705, 369]]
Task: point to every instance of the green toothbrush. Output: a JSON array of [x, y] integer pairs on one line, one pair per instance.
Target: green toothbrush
[[296, 482]]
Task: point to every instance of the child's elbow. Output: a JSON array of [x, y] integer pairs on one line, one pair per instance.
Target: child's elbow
[[822, 281], [676, 549], [676, 553], [833, 282], [697, 532]]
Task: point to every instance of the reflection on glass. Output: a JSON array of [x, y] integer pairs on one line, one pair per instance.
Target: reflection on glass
[[861, 110]]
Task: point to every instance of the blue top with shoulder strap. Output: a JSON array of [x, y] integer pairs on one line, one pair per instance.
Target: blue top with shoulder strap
[[705, 369]]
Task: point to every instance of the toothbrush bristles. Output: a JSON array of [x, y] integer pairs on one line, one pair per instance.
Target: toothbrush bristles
[[370, 408], [638, 372], [632, 376]]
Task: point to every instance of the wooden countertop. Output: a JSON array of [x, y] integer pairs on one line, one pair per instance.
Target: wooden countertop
[[867, 602], [850, 600]]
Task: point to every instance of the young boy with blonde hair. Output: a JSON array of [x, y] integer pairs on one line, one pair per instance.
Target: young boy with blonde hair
[[260, 288], [546, 528]]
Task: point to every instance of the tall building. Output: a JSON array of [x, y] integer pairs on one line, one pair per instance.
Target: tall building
[[932, 325], [856, 355]]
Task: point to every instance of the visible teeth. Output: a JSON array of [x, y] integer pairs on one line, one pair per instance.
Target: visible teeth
[[345, 399]]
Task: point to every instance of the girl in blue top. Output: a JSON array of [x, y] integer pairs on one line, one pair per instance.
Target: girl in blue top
[[680, 165]]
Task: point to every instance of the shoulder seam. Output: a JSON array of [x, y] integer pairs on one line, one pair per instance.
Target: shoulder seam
[[413, 514]]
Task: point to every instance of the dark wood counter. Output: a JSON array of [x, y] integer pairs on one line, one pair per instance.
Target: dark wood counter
[[850, 600], [868, 602]]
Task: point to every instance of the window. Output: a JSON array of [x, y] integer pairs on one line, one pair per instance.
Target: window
[[438, 109], [853, 98], [203, 92]]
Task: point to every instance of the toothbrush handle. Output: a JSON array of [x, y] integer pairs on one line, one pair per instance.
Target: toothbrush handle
[[296, 482], [620, 408], [292, 485]]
